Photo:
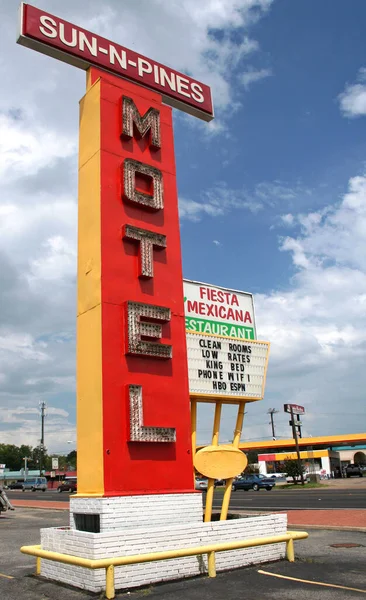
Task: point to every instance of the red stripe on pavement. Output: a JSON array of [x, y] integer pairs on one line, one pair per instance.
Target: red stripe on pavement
[[40, 504], [331, 518]]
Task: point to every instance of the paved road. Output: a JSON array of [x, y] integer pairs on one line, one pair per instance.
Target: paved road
[[49, 495], [317, 561], [295, 499], [262, 500]]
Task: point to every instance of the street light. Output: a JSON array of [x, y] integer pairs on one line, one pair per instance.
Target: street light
[[26, 458]]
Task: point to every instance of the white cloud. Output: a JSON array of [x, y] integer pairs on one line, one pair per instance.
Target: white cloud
[[57, 262], [21, 425], [21, 346], [26, 147], [353, 100], [288, 219], [318, 326], [220, 199], [251, 76], [193, 211]]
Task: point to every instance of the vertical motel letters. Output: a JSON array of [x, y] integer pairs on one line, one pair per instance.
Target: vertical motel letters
[[144, 320]]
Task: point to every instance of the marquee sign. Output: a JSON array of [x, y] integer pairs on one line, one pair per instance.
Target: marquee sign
[[218, 311], [226, 368], [60, 39], [296, 409]]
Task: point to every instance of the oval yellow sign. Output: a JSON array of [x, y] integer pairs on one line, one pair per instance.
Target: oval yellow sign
[[220, 462]]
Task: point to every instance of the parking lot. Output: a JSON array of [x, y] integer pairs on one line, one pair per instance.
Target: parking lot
[[318, 562]]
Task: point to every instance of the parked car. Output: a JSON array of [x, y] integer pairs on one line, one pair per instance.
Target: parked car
[[201, 483], [298, 478], [17, 485], [355, 470], [36, 484], [219, 482], [253, 482], [69, 485]]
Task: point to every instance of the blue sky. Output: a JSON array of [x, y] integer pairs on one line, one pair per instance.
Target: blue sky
[[289, 129], [272, 198]]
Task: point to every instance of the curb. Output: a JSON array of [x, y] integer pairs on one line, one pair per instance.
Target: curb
[[330, 527]]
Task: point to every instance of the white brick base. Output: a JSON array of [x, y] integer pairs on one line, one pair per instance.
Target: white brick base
[[129, 512], [162, 525]]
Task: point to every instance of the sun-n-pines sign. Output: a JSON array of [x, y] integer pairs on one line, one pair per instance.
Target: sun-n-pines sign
[[60, 39], [133, 405]]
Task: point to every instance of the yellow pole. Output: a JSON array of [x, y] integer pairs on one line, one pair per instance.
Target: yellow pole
[[236, 441], [105, 563], [216, 425], [211, 564], [194, 426], [211, 482], [109, 582], [290, 550], [38, 566], [239, 425]]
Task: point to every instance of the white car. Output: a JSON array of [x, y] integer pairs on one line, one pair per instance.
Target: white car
[[38, 483], [298, 479], [201, 483]]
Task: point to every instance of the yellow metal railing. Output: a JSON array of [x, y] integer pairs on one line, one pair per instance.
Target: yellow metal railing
[[109, 563]]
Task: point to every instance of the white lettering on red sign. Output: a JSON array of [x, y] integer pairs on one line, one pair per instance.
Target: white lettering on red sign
[[51, 35]]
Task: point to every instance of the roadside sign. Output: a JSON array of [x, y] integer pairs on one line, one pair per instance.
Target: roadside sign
[[55, 463], [72, 44], [53, 474], [296, 409], [225, 368], [218, 311]]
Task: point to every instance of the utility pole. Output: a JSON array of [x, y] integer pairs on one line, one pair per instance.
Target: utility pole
[[294, 433], [271, 412], [26, 458], [298, 427], [41, 446]]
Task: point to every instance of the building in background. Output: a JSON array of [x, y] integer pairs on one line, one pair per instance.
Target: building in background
[[322, 455]]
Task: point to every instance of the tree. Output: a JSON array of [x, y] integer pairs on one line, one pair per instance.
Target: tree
[[12, 456], [252, 457], [294, 469], [71, 459], [251, 467], [37, 454]]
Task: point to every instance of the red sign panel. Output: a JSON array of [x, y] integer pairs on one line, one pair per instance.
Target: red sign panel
[[72, 44], [138, 285], [296, 409]]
